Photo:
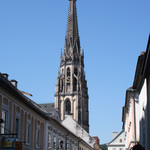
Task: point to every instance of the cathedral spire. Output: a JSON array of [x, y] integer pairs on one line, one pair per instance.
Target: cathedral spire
[[72, 36], [71, 94], [72, 26]]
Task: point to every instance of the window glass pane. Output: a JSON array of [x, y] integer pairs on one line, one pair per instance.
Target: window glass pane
[[4, 125], [49, 141], [37, 138], [54, 144], [28, 133], [61, 145], [17, 127]]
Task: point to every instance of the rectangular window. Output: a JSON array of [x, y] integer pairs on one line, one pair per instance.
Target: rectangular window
[[5, 124], [68, 145], [17, 128], [54, 144], [49, 141], [61, 144], [28, 133], [37, 138]]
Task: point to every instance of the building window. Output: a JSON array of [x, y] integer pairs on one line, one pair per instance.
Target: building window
[[28, 133], [61, 145], [68, 80], [75, 84], [76, 71], [37, 138], [49, 141], [120, 140], [4, 125], [61, 87], [68, 72], [68, 107], [17, 127], [54, 143]]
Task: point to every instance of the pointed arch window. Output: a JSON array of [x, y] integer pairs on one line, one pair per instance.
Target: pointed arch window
[[68, 79], [76, 71], [75, 84], [68, 107], [61, 86], [68, 71]]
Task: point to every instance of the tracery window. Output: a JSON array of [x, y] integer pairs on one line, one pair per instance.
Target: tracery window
[[68, 107], [75, 84], [68, 71], [76, 71], [68, 79]]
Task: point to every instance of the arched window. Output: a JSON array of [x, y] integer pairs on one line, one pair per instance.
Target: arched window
[[75, 84], [68, 79], [61, 87], [68, 72], [68, 107], [76, 71]]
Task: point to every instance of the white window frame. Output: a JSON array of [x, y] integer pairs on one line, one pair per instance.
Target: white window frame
[[4, 126], [54, 143], [49, 141]]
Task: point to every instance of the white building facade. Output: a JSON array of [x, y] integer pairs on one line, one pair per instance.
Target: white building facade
[[118, 142]]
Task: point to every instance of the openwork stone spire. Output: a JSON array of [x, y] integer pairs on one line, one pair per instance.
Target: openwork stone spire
[[72, 37], [72, 26]]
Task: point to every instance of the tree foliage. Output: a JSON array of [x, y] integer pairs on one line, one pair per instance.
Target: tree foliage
[[104, 147]]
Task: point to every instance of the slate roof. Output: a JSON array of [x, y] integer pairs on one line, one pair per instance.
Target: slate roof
[[49, 107], [6, 84]]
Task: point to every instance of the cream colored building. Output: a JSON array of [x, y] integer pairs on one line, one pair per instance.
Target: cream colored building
[[29, 124], [136, 111]]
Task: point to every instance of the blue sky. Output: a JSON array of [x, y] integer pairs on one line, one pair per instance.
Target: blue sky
[[112, 34]]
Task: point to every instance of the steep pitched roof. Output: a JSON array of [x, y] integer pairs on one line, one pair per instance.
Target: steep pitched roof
[[117, 137], [76, 129], [6, 84]]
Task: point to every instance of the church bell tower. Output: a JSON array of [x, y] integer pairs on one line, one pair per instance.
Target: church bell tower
[[71, 93]]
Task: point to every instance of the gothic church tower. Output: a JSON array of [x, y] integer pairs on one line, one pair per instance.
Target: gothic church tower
[[71, 93]]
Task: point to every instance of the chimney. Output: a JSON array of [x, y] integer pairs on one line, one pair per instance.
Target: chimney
[[5, 75], [97, 140], [14, 83], [115, 134]]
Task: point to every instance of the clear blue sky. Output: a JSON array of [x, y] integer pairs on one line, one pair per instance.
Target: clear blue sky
[[113, 33]]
